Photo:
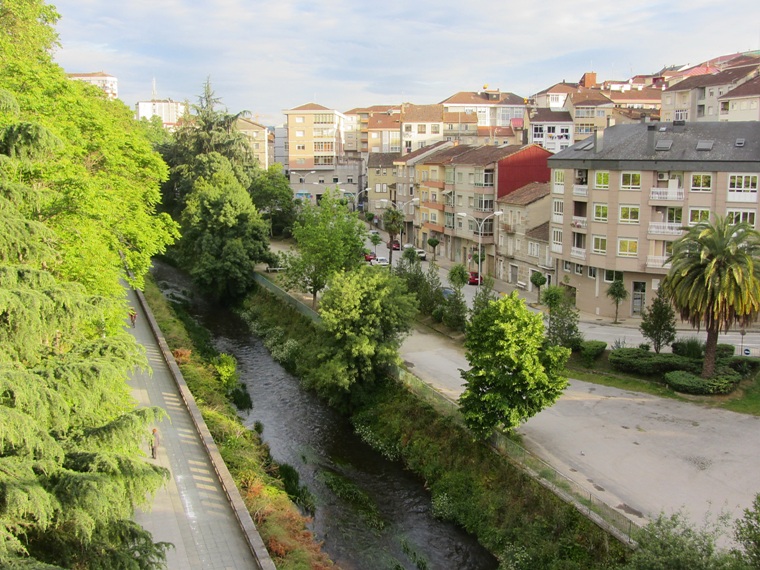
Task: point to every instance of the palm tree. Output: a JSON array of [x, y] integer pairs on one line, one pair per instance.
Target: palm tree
[[712, 280], [393, 222]]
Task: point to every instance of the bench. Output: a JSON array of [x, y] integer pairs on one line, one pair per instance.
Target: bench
[[521, 285], [271, 269]]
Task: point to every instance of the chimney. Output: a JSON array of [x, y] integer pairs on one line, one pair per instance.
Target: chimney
[[598, 140], [650, 138]]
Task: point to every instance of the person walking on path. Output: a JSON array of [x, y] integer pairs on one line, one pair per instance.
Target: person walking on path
[[132, 316], [154, 443]]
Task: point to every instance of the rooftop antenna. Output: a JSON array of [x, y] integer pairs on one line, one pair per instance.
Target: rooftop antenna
[[154, 95]]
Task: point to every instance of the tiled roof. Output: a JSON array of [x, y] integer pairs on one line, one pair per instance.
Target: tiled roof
[[421, 113], [728, 76], [540, 233], [382, 159], [562, 87], [544, 115], [526, 194], [92, 74], [447, 155], [384, 121], [749, 88], [638, 95], [637, 142], [373, 109], [589, 98], [483, 98], [421, 151], [310, 107], [486, 154]]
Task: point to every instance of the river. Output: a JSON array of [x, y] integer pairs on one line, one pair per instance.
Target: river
[[308, 435]]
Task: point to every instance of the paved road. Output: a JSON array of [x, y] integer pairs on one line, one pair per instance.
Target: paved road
[[191, 511]]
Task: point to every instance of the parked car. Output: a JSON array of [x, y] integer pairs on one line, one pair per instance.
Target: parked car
[[422, 254], [394, 245], [369, 255], [475, 279], [448, 292], [374, 232], [383, 261]]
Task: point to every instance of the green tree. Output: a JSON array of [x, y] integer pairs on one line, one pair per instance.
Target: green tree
[[273, 197], [484, 295], [658, 323], [748, 533], [539, 280], [376, 240], [713, 281], [329, 238], [512, 375], [393, 222], [455, 307], [224, 237], [366, 312], [617, 292], [433, 242], [562, 318]]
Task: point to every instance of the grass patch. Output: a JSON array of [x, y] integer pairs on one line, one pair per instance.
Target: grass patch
[[349, 492]]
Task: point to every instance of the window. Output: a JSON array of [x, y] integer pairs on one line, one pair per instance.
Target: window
[[681, 115], [697, 215], [602, 180], [701, 182], [567, 266], [584, 113], [421, 129], [558, 208], [323, 118], [584, 128], [557, 236], [534, 249], [742, 183], [628, 247], [630, 181], [559, 176], [299, 133], [335, 179], [324, 146], [599, 244], [578, 269], [407, 128], [300, 147], [435, 129], [737, 216], [592, 272], [610, 275], [600, 212], [629, 214], [538, 131]]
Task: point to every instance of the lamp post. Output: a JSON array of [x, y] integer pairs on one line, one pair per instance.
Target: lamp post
[[480, 224], [302, 176], [354, 195]]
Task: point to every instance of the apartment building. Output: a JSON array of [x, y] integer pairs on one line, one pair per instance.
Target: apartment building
[[492, 107], [170, 112], [697, 98], [553, 130], [257, 136], [381, 181], [316, 153], [357, 126], [741, 103], [421, 126], [523, 244], [591, 110], [384, 133], [107, 83], [620, 199]]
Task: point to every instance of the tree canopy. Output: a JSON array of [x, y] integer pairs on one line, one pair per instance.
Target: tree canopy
[[713, 281], [512, 374]]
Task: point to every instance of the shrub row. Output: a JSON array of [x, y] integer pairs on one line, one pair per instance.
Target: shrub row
[[640, 361], [685, 382], [591, 350]]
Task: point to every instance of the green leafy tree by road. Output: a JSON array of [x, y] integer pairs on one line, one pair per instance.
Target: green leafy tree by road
[[713, 280], [393, 222], [484, 295], [366, 312], [224, 237], [658, 323], [617, 292], [455, 307], [376, 240], [329, 238], [562, 318], [433, 242], [512, 374], [273, 198], [538, 280], [748, 533]]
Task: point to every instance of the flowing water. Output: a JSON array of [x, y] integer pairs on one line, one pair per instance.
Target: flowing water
[[306, 434]]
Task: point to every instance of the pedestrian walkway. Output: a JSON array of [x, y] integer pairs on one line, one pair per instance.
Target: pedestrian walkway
[[192, 511]]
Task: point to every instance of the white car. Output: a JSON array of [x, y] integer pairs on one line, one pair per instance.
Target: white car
[[383, 261]]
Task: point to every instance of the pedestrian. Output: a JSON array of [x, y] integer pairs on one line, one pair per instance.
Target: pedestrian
[[154, 443], [132, 316]]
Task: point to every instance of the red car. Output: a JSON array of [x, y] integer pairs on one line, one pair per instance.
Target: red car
[[394, 245], [475, 279], [369, 255]]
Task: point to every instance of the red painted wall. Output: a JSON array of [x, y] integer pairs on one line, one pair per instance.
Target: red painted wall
[[525, 166]]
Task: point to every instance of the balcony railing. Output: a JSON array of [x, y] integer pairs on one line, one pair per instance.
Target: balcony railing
[[559, 188], [742, 197], [556, 248], [579, 222], [665, 228], [666, 194], [558, 218], [657, 262], [579, 252], [580, 189]]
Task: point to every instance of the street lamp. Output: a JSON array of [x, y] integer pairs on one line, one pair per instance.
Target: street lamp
[[354, 195], [480, 224], [303, 176]]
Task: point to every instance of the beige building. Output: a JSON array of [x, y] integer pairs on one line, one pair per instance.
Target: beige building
[[421, 126], [620, 199], [741, 103], [492, 107], [591, 110], [258, 139], [523, 244]]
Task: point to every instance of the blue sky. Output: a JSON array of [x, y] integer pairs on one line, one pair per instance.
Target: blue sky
[[264, 57]]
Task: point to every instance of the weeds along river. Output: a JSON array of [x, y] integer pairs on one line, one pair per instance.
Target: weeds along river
[[320, 445]]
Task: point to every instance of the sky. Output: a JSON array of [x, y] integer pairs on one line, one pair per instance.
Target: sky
[[266, 57]]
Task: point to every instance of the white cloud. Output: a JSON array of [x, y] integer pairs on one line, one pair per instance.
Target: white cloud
[[268, 56]]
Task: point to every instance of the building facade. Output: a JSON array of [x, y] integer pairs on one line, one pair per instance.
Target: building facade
[[107, 83], [621, 198]]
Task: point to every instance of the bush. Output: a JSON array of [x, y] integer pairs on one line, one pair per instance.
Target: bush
[[638, 361], [724, 350], [690, 347], [686, 382], [591, 350], [744, 365], [645, 346]]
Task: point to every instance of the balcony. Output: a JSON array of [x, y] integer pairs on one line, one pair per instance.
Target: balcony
[[746, 197], [558, 218], [559, 188], [666, 194], [433, 227], [556, 248], [579, 222], [509, 228], [657, 262], [665, 228], [578, 252], [580, 189]]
